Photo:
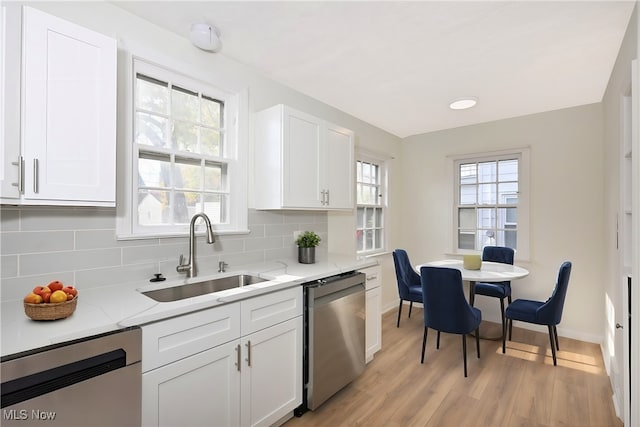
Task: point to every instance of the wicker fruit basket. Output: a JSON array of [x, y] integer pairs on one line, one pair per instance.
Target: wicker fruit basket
[[50, 311]]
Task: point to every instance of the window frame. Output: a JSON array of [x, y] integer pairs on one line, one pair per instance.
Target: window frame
[[383, 185], [524, 194], [234, 156]]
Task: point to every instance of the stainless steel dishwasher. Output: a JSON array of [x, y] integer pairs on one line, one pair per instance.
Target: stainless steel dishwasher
[[334, 336], [95, 381]]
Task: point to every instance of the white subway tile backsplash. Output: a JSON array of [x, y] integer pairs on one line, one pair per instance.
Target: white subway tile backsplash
[[262, 243], [145, 254], [8, 266], [9, 219], [281, 229], [36, 241], [55, 262], [96, 239], [113, 275], [50, 218], [79, 244]]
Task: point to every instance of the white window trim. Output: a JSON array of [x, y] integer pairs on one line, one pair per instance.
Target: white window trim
[[238, 213], [383, 161], [523, 253]]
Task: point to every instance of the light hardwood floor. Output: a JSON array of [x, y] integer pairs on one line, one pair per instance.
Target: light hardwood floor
[[521, 388]]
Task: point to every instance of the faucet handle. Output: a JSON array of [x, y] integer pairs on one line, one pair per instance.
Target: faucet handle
[[182, 267], [181, 260]]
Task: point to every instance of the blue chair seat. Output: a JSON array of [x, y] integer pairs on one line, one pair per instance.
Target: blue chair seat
[[524, 310], [415, 294], [496, 290]]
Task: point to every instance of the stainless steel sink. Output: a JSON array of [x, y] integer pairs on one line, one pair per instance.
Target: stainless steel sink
[[176, 293]]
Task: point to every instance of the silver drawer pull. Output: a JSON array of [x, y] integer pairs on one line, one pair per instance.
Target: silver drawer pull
[[248, 344], [238, 363], [35, 175]]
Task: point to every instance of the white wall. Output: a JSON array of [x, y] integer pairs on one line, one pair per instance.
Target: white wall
[[566, 205], [616, 237]]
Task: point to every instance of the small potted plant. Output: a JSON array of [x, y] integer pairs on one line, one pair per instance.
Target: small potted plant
[[307, 243]]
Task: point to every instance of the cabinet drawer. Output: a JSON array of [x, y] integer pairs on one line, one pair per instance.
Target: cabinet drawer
[[267, 310], [374, 276], [173, 339]]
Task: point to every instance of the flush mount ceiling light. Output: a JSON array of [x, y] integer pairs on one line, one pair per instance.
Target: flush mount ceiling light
[[463, 103], [205, 37]]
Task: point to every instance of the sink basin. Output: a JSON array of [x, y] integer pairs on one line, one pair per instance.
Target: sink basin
[[176, 293]]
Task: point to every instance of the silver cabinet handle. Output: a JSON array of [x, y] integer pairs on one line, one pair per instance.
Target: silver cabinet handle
[[238, 363], [324, 197], [248, 359], [327, 192], [35, 175], [375, 276], [20, 183]]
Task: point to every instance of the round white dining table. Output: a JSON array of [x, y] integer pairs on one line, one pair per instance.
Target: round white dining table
[[489, 272]]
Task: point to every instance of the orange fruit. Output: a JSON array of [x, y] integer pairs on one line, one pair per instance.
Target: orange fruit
[[32, 298], [57, 297]]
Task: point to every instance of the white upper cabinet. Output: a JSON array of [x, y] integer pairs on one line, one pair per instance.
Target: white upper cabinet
[[68, 106], [302, 162], [10, 100]]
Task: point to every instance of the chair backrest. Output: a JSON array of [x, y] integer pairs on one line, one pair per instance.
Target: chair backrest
[[445, 306], [550, 313], [498, 254], [405, 274]]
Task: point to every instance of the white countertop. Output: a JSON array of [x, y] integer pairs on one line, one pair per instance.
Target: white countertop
[[109, 308]]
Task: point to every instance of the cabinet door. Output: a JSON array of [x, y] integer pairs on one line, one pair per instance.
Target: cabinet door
[[373, 326], [10, 100], [272, 373], [339, 167], [302, 145], [69, 107], [200, 390]]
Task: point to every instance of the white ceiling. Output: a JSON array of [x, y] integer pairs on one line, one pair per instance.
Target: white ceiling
[[397, 65]]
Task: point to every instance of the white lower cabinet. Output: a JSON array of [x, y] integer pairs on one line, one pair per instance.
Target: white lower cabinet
[[200, 390], [373, 304], [255, 379], [272, 373]]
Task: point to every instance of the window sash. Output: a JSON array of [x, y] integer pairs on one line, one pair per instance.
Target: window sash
[[487, 201], [218, 166], [370, 206]]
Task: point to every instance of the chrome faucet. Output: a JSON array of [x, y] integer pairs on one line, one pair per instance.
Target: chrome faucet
[[190, 266]]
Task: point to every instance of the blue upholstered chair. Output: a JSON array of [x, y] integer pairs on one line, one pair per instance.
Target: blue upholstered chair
[[547, 312], [499, 290], [446, 309], [409, 287]]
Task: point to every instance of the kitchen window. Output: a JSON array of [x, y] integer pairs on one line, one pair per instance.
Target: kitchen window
[[371, 186], [491, 202], [185, 154]]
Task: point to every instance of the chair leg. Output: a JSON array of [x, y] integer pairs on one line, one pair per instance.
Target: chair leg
[[504, 337], [510, 321], [464, 353], [410, 307], [399, 313], [438, 342], [424, 344], [472, 295], [478, 341], [553, 345], [555, 336], [504, 325]]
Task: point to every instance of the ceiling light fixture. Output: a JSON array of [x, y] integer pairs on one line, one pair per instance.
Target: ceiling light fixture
[[463, 103], [205, 37]]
